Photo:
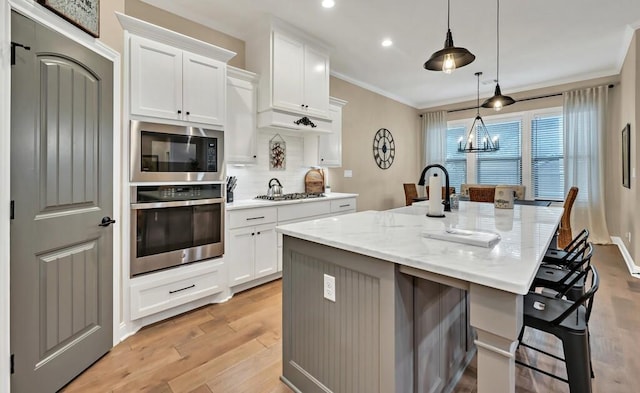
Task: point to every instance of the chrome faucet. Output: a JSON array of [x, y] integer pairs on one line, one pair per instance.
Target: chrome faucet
[[447, 198]]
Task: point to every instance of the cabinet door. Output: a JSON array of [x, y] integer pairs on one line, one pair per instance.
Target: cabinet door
[[316, 81], [330, 145], [204, 88], [240, 128], [156, 79], [266, 250], [240, 255], [288, 73]]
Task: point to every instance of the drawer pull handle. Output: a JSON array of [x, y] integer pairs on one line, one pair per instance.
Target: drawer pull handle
[[255, 218], [183, 289], [345, 205]]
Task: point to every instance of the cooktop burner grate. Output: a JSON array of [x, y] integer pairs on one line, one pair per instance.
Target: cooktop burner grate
[[292, 196]]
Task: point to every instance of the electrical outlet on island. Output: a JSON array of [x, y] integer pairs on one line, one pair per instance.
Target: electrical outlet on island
[[330, 287]]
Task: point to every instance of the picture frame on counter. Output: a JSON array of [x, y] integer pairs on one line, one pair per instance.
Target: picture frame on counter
[[84, 14]]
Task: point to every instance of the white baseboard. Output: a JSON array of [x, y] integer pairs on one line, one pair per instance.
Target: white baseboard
[[634, 269]]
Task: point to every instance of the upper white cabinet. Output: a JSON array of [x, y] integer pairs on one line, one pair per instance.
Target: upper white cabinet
[[203, 89], [174, 77], [170, 83], [300, 76], [330, 145], [325, 150], [294, 82], [240, 128]]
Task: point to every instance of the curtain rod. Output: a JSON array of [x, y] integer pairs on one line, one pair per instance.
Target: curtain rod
[[522, 99]]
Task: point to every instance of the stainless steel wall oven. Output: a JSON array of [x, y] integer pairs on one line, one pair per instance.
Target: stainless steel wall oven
[[173, 225], [163, 152]]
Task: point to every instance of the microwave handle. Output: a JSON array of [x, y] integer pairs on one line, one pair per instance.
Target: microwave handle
[[159, 205]]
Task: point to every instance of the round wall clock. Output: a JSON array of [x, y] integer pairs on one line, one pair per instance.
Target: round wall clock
[[384, 148]]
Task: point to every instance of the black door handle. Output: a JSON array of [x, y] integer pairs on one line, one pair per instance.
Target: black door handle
[[106, 221]]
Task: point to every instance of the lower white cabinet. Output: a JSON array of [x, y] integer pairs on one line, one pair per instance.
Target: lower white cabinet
[[161, 291], [343, 206], [252, 253], [251, 245], [254, 248]]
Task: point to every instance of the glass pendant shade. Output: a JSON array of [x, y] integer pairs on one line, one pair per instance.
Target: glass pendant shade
[[498, 100], [450, 57]]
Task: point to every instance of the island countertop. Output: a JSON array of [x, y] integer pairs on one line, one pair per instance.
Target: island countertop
[[397, 236]]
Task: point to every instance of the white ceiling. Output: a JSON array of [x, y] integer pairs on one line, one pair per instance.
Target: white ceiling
[[542, 42]]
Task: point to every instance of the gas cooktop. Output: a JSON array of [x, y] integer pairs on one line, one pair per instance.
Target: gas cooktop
[[292, 196]]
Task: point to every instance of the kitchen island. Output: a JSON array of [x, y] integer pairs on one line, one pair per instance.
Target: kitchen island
[[403, 302]]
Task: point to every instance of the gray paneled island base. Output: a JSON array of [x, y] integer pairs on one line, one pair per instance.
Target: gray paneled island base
[[403, 302]]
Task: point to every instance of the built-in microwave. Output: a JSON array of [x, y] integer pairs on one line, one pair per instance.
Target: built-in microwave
[[163, 152]]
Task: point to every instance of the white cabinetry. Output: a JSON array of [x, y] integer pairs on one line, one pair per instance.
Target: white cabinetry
[[325, 150], [300, 76], [170, 83], [240, 128], [251, 244], [254, 248], [153, 293], [294, 83]]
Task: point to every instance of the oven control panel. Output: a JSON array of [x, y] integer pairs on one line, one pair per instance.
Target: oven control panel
[[168, 193]]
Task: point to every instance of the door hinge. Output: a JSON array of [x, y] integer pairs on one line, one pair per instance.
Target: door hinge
[[12, 211], [13, 368], [13, 51]]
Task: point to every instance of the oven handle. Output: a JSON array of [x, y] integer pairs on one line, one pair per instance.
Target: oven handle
[[158, 205]]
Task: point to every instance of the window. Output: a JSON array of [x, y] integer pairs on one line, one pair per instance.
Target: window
[[547, 164], [505, 165], [531, 153], [456, 162]]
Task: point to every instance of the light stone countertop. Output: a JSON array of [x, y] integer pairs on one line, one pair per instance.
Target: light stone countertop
[[396, 236], [253, 203]]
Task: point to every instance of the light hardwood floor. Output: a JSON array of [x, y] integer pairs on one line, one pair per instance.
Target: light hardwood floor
[[237, 347]]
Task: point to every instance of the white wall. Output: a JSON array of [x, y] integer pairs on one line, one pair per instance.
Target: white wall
[[253, 180]]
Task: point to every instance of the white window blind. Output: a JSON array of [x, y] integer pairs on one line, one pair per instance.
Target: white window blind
[[547, 161], [505, 165], [456, 162]]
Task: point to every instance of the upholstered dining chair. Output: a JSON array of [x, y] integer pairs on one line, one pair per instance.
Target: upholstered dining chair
[[564, 230], [483, 194], [452, 190], [410, 192]]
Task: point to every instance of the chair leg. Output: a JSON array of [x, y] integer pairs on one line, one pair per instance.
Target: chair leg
[[590, 361], [578, 361]]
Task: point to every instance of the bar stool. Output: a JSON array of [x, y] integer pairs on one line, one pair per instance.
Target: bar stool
[[561, 255], [558, 277], [569, 321]]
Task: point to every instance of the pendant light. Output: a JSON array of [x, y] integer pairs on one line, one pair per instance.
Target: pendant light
[[488, 144], [451, 57], [498, 100]]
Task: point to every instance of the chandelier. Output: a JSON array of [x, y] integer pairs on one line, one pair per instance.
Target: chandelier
[[483, 142]]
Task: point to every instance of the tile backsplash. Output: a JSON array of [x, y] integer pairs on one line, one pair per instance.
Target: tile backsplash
[[253, 179]]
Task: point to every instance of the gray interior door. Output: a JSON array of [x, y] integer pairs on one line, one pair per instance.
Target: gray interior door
[[61, 182]]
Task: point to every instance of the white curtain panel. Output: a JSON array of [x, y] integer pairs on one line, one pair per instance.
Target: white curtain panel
[[434, 126], [585, 119]]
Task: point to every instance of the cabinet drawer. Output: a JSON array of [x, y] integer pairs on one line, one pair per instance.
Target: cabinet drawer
[[343, 205], [302, 210], [250, 217], [150, 297]]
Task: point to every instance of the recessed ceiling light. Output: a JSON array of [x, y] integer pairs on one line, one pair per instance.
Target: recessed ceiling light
[[387, 42], [328, 3]]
